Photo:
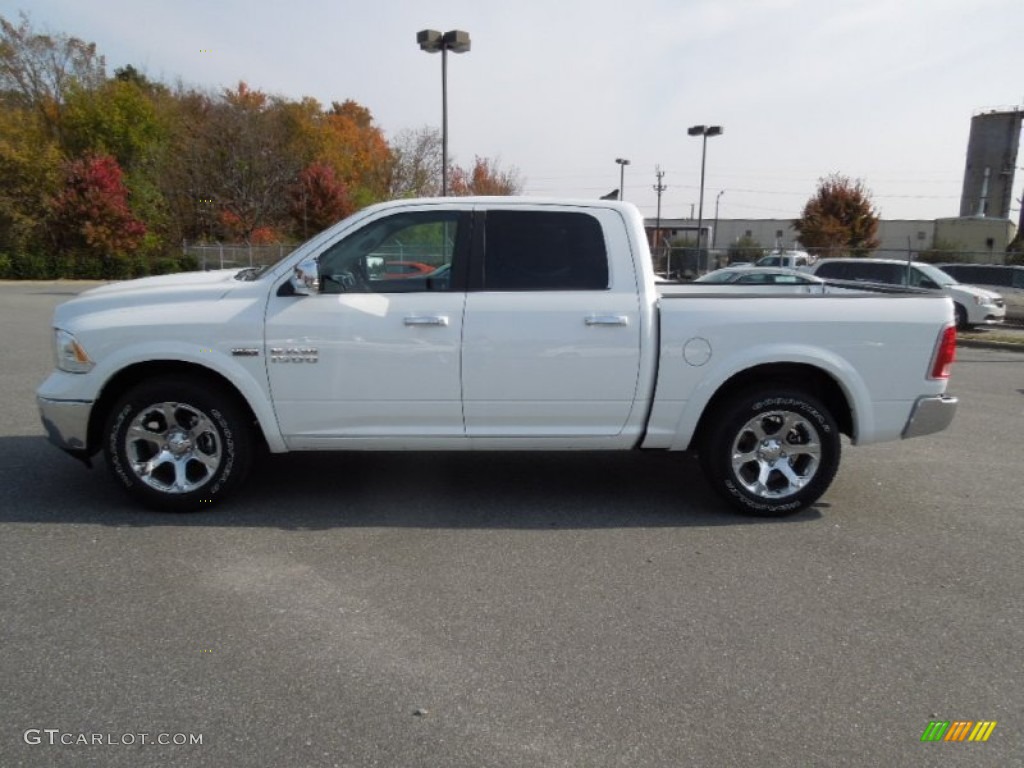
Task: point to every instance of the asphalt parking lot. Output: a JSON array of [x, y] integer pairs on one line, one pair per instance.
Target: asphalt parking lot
[[512, 610]]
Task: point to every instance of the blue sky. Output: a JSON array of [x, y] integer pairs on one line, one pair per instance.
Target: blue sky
[[881, 90]]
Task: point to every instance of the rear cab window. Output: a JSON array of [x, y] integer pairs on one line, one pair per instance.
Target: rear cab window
[[544, 251]]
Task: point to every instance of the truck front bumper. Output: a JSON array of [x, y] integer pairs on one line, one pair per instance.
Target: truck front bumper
[[930, 414], [67, 424]]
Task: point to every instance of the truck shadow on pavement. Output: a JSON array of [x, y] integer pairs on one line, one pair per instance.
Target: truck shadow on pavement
[[318, 491]]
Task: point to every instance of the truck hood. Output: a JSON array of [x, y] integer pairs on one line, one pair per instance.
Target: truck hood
[[149, 291]]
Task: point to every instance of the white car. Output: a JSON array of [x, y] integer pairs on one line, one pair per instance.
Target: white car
[[788, 259], [1005, 279], [785, 280], [973, 306]]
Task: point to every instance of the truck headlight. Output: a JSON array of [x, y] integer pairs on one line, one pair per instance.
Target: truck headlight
[[71, 356]]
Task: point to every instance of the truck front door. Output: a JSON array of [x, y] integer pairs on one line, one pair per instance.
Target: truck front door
[[375, 352]]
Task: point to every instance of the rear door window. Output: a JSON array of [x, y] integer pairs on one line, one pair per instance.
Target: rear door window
[[544, 251], [876, 272]]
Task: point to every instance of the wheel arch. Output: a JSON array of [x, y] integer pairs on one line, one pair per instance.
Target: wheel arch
[[801, 376], [137, 373]]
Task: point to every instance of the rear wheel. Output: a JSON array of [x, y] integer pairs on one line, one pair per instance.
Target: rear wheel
[[771, 453], [177, 445], [961, 317]]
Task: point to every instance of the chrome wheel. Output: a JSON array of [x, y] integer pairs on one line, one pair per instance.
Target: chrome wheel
[[173, 447], [776, 454]]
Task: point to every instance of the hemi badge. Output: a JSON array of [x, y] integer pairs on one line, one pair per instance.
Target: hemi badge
[[245, 352]]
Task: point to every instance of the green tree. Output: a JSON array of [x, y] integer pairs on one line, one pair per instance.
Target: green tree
[[116, 118], [839, 218], [29, 176], [745, 248]]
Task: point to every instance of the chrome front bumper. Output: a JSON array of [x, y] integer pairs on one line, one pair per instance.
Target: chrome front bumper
[[930, 414], [66, 423]]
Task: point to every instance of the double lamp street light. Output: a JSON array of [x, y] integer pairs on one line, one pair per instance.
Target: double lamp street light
[[432, 41], [704, 131]]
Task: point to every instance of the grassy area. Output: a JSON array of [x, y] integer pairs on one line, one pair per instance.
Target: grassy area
[[1011, 335]]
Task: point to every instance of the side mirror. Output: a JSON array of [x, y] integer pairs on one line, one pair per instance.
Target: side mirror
[[306, 279]]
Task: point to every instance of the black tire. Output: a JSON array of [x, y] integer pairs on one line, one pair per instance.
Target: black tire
[[193, 444], [758, 469], [961, 317]]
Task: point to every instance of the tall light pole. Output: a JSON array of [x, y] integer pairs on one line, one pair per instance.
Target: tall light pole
[[623, 162], [432, 41], [714, 231], [705, 131]]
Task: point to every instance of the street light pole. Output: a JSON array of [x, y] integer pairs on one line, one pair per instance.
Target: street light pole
[[714, 231], [703, 131], [432, 41], [623, 162]]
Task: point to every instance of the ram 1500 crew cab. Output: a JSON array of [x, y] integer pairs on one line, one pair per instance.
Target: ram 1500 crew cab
[[538, 327]]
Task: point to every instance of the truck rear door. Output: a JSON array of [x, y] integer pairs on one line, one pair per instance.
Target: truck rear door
[[551, 336]]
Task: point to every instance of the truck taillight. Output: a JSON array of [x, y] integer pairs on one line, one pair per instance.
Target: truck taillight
[[945, 354]]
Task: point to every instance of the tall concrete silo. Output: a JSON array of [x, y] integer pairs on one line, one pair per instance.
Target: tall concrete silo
[[991, 161]]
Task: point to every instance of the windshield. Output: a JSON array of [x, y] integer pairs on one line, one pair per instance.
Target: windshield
[[719, 276], [936, 274]]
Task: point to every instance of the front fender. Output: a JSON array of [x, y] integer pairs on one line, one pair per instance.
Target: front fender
[[244, 370]]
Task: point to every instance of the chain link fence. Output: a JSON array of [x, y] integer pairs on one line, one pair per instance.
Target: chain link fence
[[221, 256]]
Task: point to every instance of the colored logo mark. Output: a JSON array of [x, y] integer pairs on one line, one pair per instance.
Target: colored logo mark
[[958, 730]]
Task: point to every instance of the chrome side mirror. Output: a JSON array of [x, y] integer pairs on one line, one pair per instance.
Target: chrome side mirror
[[306, 279]]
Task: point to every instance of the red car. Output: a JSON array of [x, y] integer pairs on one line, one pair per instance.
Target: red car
[[393, 269]]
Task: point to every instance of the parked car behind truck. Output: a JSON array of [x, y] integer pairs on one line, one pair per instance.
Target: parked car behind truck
[[973, 306], [541, 329], [1005, 279]]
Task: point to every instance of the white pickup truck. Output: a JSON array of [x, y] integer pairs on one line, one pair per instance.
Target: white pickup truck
[[531, 325]]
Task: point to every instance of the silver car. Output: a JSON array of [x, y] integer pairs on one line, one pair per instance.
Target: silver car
[[789, 280]]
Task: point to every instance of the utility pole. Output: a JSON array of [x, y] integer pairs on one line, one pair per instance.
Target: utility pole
[[659, 188]]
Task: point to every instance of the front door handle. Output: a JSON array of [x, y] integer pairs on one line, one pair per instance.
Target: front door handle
[[607, 320], [427, 320]]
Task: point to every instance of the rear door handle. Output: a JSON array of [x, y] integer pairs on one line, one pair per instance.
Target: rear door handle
[[427, 320], [607, 320]]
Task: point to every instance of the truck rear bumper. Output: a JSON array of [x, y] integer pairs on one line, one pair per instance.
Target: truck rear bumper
[[67, 424], [930, 414]]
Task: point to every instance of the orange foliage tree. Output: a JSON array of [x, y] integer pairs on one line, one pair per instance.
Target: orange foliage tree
[[840, 217], [484, 178]]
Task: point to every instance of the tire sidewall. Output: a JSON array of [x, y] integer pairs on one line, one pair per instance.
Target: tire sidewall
[[736, 415], [212, 403]]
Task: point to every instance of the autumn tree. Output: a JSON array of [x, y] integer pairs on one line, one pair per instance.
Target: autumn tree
[[840, 217], [232, 175], [91, 218], [416, 160], [41, 69], [485, 178], [346, 138], [318, 199], [29, 176]]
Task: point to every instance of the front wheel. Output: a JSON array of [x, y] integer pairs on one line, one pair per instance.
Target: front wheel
[[771, 453], [177, 445]]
